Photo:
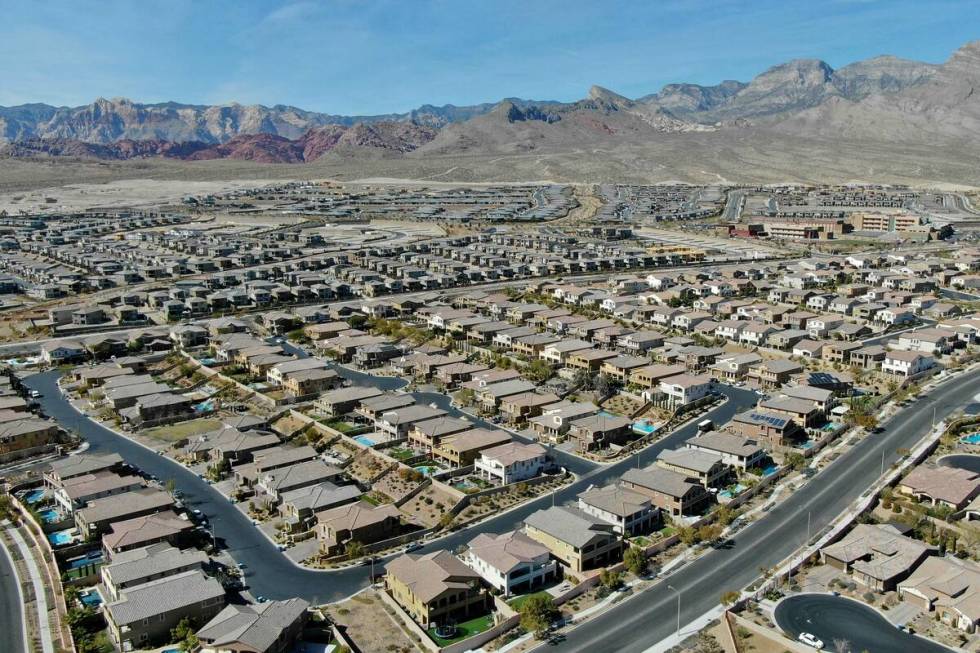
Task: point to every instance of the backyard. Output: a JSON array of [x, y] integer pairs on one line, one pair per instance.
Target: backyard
[[465, 630], [183, 430]]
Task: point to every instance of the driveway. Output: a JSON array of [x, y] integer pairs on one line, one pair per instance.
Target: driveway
[[834, 618]]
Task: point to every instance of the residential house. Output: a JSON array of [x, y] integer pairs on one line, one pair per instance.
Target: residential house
[[436, 588], [511, 563], [577, 539], [675, 493]]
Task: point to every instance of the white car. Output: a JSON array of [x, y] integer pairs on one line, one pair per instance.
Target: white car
[[810, 640]]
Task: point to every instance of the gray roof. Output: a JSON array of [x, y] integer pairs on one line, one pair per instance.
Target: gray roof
[[257, 627], [184, 590], [119, 506], [153, 560], [320, 496], [699, 461], [659, 479], [616, 500], [300, 474], [84, 464], [567, 524], [726, 443]]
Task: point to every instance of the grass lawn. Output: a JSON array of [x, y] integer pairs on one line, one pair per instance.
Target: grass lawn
[[518, 601], [400, 454], [641, 541], [181, 430], [668, 531], [465, 630], [346, 427]]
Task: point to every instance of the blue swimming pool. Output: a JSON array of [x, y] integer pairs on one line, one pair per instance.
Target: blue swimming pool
[[49, 516], [606, 413], [91, 559], [973, 438], [644, 427], [428, 470], [807, 445], [365, 440], [60, 538], [90, 598], [769, 471], [205, 406], [34, 496]]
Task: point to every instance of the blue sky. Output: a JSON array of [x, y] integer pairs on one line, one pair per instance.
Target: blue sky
[[365, 56]]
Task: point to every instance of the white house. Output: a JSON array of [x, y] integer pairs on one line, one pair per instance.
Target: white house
[[908, 364], [511, 562], [685, 388], [511, 462]]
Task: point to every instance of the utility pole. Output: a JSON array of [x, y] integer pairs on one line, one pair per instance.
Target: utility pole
[[671, 587]]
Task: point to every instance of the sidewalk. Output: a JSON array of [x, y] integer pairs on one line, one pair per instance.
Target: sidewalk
[[37, 582]]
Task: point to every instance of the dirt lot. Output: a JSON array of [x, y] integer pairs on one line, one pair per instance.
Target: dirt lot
[[369, 625], [429, 505]]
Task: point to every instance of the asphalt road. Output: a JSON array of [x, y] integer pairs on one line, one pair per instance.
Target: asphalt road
[[11, 614], [649, 617], [832, 618], [270, 573]]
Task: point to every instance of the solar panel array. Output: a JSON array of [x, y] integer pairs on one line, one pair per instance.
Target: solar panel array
[[769, 419]]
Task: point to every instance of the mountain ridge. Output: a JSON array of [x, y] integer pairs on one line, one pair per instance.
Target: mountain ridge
[[883, 100]]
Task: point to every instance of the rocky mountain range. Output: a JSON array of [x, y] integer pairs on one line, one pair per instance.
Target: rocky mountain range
[[883, 101]]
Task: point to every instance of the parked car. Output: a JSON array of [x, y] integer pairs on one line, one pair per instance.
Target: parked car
[[810, 640]]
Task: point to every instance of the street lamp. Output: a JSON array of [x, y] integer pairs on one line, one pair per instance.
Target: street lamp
[[671, 587]]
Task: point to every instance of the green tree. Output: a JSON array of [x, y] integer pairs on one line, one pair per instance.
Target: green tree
[[635, 560], [537, 613], [730, 598], [610, 579], [353, 549], [538, 371], [183, 635], [709, 532], [687, 535], [796, 460]]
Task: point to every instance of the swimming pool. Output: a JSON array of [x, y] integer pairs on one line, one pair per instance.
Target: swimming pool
[[729, 494], [205, 406], [606, 413], [644, 427], [428, 470], [35, 496], [807, 445], [49, 516], [60, 538], [90, 598], [91, 559], [973, 438], [365, 440], [769, 471]]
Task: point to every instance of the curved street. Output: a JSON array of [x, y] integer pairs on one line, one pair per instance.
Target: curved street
[[833, 618], [273, 575], [651, 614]]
